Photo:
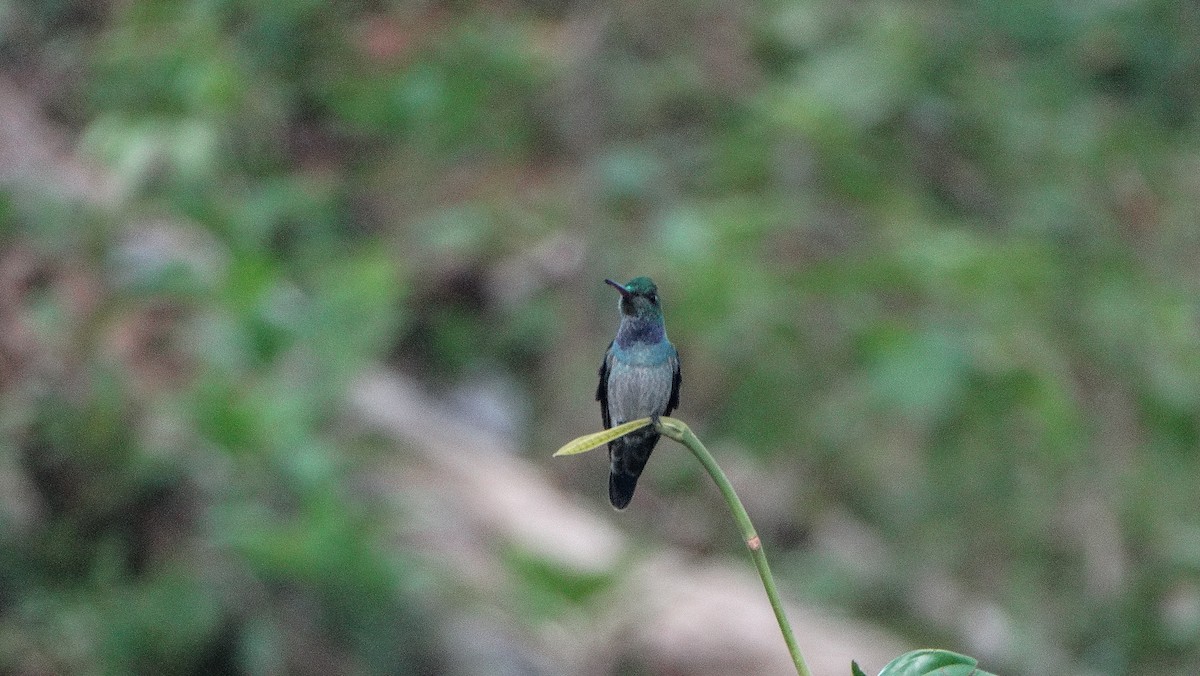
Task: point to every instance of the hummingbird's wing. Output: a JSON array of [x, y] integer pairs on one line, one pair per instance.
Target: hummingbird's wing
[[602, 389], [676, 379]]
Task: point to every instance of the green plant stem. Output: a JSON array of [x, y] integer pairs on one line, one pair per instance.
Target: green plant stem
[[680, 432]]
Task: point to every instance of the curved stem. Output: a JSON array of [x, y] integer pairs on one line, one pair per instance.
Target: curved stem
[[680, 432]]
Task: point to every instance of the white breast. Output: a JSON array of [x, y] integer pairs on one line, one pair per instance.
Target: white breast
[[637, 391]]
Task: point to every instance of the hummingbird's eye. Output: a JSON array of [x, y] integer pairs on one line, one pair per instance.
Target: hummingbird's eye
[[654, 298]]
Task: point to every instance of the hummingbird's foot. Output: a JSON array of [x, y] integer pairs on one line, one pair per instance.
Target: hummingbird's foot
[[654, 421]]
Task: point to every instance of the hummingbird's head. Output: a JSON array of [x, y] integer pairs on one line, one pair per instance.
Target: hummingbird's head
[[639, 298]]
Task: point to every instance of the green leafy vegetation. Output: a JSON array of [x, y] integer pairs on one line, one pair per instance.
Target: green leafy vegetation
[[930, 268]]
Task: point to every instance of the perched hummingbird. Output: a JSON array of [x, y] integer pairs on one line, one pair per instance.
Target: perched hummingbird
[[639, 377]]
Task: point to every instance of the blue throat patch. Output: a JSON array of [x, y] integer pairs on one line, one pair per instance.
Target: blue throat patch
[[634, 330]]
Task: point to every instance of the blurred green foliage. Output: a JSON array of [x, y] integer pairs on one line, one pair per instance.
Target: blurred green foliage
[[933, 261]]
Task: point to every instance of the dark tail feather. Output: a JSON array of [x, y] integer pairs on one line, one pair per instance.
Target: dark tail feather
[[620, 489], [627, 459]]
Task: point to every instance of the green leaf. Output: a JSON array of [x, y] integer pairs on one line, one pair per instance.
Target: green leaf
[[934, 663], [597, 439], [855, 670]]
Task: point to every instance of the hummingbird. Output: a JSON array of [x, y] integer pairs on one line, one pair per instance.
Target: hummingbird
[[639, 378]]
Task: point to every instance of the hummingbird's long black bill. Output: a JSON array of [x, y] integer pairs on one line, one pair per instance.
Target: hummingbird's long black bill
[[624, 292]]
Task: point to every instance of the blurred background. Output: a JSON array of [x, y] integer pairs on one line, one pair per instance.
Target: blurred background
[[297, 298]]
